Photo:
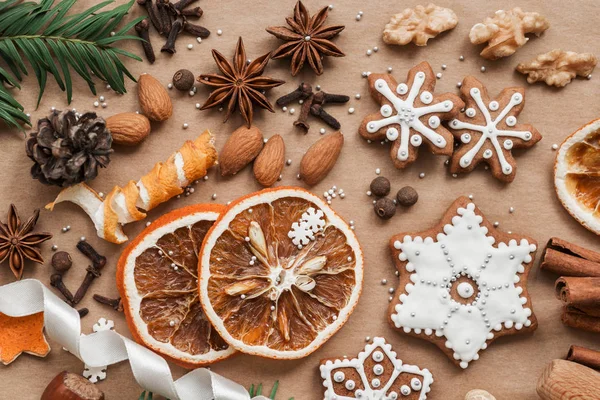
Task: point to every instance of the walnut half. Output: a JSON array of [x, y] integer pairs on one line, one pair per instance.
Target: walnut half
[[419, 24], [558, 67], [505, 32]]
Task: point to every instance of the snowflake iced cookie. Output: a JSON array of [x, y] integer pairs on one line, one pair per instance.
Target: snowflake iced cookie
[[463, 283], [410, 114], [376, 374], [488, 130]]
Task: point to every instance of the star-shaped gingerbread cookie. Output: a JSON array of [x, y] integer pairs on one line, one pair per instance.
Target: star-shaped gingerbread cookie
[[375, 374], [488, 130], [411, 114], [22, 334], [463, 283]]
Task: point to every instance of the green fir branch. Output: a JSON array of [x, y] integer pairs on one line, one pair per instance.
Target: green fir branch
[[55, 43], [253, 391]]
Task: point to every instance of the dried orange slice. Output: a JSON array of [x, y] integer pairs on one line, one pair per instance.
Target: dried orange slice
[[280, 272], [158, 283], [577, 175]]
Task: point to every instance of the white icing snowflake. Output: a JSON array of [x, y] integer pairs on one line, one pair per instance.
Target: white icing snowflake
[[314, 219], [300, 233], [103, 324], [406, 114], [384, 385], [501, 139], [94, 374], [488, 292]]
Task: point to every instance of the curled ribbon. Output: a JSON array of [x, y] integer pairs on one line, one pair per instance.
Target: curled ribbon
[[150, 370]]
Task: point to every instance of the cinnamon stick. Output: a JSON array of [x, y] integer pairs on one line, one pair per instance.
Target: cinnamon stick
[[584, 356], [577, 320], [580, 294], [568, 259]]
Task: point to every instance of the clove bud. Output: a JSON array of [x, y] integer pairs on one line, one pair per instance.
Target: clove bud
[[196, 30], [192, 12], [142, 28], [117, 304], [57, 282], [93, 271], [169, 47], [152, 11]]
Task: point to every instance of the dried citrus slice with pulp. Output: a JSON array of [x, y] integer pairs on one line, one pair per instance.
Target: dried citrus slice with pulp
[[158, 283], [280, 272], [577, 175]]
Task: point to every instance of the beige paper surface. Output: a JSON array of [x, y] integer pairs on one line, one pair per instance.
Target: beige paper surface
[[511, 366]]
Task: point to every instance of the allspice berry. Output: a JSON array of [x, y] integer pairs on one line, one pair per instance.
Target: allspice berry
[[183, 80], [61, 261], [380, 186], [407, 196], [385, 208]]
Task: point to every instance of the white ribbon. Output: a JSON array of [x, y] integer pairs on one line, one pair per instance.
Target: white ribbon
[[150, 370]]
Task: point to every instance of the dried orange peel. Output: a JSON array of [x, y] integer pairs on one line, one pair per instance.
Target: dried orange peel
[[157, 279], [577, 175], [22, 335], [131, 202], [280, 273]]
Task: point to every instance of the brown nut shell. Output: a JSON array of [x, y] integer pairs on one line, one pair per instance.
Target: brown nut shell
[[128, 129], [70, 386], [321, 158], [241, 149], [154, 99], [269, 163]]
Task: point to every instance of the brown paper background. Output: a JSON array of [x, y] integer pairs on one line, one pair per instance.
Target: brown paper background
[[511, 366]]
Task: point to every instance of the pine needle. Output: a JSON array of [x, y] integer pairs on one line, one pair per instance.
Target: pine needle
[[55, 43]]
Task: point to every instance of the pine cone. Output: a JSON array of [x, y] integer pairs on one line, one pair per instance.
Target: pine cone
[[67, 150]]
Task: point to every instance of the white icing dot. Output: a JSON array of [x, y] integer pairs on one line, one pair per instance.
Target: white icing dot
[[339, 376], [393, 395], [465, 290], [392, 134], [386, 110], [470, 112], [350, 385], [378, 369], [405, 390], [494, 105], [487, 154], [375, 383], [511, 121], [465, 138], [377, 356], [434, 122], [415, 383], [426, 97], [508, 144], [416, 140], [402, 88]]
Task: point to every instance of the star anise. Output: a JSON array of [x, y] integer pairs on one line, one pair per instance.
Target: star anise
[[17, 242], [307, 39], [241, 86]]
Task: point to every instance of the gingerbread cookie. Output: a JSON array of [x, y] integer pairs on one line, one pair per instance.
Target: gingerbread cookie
[[463, 283], [376, 374], [488, 130], [410, 114]]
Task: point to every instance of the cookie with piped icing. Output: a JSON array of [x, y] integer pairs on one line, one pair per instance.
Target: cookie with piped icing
[[488, 129], [463, 283]]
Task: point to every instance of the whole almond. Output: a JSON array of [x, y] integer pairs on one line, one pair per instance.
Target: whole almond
[[269, 163], [128, 129], [241, 148], [154, 99], [320, 158]]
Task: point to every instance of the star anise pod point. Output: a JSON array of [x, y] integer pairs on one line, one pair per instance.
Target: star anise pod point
[[241, 84], [307, 39]]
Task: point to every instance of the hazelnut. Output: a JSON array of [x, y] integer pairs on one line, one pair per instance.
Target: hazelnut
[[61, 261], [183, 80], [385, 208], [380, 186], [407, 196], [69, 386]]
